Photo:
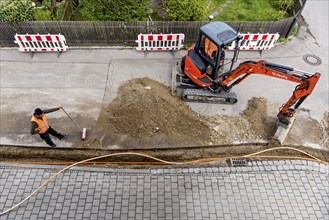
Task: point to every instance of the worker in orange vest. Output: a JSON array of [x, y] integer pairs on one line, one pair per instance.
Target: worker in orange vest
[[39, 125], [210, 48], [212, 51]]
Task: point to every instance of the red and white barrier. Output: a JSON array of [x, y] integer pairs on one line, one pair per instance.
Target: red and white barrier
[[257, 41], [41, 42], [151, 42]]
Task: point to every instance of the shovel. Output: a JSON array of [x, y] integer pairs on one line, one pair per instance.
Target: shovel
[[83, 130]]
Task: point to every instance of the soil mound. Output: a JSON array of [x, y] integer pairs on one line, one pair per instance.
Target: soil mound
[[146, 113], [251, 125], [325, 123]]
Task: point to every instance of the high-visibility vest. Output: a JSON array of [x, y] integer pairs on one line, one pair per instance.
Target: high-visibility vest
[[42, 124], [210, 47]]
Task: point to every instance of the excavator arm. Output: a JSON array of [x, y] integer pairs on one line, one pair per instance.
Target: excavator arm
[[306, 82]]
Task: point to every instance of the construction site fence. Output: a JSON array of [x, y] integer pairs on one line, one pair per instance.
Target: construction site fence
[[117, 33]]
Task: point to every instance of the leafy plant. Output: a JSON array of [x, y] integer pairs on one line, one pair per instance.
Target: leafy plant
[[42, 14], [16, 10], [187, 46], [251, 10], [294, 30], [112, 10], [50, 10], [282, 40], [292, 34], [286, 6], [186, 10]]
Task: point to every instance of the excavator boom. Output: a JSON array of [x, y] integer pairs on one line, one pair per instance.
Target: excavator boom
[[306, 82]]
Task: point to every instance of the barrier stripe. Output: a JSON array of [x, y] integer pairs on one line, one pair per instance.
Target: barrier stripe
[[256, 41], [41, 43], [160, 42]]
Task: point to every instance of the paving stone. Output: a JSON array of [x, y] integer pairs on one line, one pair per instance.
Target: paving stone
[[202, 196]]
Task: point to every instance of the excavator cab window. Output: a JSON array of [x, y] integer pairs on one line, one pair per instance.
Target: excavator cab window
[[209, 50], [213, 56]]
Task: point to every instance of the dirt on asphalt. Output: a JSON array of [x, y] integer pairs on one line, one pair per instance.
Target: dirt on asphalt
[[146, 115]]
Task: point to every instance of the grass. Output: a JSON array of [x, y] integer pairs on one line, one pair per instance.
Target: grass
[[236, 10], [158, 14], [246, 10], [292, 34], [294, 30], [42, 14]]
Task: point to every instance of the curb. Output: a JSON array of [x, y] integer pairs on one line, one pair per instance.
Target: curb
[[251, 167]]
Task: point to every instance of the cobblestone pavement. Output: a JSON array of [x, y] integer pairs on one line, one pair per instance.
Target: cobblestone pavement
[[260, 190]]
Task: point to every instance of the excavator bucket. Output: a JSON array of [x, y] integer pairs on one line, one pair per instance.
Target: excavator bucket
[[282, 132]]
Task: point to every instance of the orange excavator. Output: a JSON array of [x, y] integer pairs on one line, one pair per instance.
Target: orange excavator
[[207, 78]]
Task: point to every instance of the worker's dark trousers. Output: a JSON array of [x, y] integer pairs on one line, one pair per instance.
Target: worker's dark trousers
[[45, 136]]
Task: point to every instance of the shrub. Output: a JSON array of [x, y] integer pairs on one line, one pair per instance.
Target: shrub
[[43, 14], [112, 10], [186, 10], [285, 6], [16, 10]]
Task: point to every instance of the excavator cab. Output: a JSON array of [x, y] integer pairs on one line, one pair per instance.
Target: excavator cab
[[204, 61]]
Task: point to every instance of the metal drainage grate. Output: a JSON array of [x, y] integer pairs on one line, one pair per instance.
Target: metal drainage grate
[[239, 162], [312, 59]]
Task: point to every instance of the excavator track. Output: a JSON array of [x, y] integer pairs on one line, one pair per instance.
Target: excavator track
[[207, 96]]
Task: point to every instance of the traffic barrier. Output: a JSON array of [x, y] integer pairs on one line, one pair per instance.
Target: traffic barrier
[[41, 42], [257, 41], [147, 42]]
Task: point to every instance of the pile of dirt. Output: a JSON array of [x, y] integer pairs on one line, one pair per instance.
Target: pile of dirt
[[325, 121], [145, 113], [251, 125], [325, 124]]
